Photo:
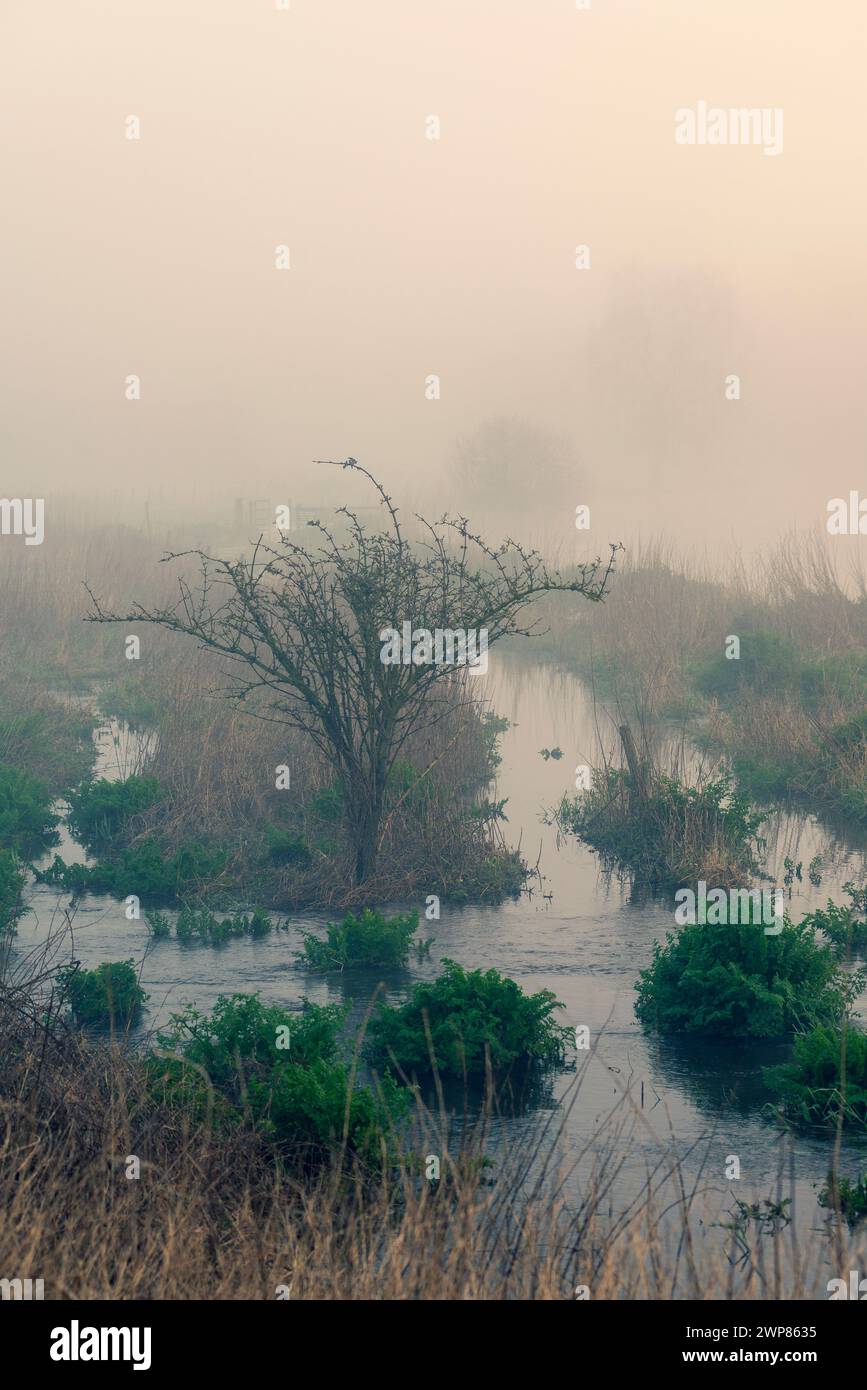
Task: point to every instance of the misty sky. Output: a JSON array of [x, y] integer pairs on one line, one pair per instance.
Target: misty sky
[[455, 256]]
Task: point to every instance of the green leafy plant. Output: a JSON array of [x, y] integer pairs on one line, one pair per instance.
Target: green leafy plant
[[27, 822], [737, 981], [12, 880], [493, 727], [144, 869], [254, 1063], [846, 926], [201, 923], [367, 940], [100, 809], [815, 1090], [110, 994], [666, 834], [848, 1198], [459, 1018]]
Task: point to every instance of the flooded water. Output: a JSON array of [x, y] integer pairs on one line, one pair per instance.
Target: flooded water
[[579, 935]]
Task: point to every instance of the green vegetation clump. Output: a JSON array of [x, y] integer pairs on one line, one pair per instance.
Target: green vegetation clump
[[848, 1198], [367, 940], [734, 980], [489, 878], [203, 924], [110, 994], [814, 1091], [12, 880], [27, 822], [99, 810], [287, 847], [145, 869], [277, 1071], [668, 834], [159, 925], [467, 1014], [846, 927], [766, 661]]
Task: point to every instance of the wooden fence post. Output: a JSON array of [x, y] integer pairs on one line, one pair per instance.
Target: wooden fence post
[[636, 767]]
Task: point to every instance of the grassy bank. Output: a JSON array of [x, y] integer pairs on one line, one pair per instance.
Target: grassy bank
[[787, 705], [663, 832]]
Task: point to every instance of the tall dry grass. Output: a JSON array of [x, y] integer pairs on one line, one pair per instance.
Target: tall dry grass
[[666, 609], [219, 1214], [650, 650], [215, 1215]]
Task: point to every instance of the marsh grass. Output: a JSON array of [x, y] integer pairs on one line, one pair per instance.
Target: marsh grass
[[44, 735], [216, 762], [676, 823], [217, 1214], [790, 714]]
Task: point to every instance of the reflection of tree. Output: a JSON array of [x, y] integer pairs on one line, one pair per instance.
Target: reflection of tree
[[719, 1075], [525, 1090]]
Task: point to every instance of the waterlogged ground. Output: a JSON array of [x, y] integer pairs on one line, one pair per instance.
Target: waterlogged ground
[[578, 935]]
